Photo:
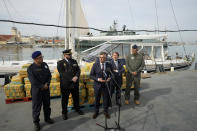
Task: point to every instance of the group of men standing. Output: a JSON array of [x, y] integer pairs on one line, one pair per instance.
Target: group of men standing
[[107, 78]]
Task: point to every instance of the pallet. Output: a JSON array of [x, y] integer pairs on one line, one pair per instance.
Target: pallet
[[25, 99], [16, 100]]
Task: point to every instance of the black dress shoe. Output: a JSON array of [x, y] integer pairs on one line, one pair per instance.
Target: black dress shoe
[[37, 126], [80, 112], [95, 115], [64, 116], [50, 121], [107, 115]]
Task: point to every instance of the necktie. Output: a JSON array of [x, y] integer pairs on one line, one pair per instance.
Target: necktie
[[116, 63], [102, 68], [68, 61]]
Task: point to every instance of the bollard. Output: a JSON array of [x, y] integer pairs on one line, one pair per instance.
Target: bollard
[[195, 66], [172, 69]]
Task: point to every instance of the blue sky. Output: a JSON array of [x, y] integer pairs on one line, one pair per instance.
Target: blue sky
[[136, 14]]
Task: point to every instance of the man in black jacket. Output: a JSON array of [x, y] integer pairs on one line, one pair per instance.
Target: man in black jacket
[[40, 77], [101, 79], [69, 82], [116, 82]]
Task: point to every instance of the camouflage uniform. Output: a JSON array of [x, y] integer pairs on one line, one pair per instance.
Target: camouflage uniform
[[134, 63]]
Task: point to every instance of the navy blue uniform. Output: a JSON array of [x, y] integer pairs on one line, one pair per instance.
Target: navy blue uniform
[[100, 88], [38, 76], [116, 82], [67, 70]]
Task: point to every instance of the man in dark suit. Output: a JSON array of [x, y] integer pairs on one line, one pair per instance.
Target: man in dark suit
[[69, 82], [40, 77], [116, 82], [101, 79]]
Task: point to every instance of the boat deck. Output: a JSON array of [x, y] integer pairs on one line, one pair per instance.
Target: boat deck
[[168, 103]]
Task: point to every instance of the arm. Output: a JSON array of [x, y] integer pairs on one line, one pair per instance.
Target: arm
[[49, 77], [78, 70], [122, 70], [93, 73], [127, 64], [142, 65], [33, 79], [59, 68]]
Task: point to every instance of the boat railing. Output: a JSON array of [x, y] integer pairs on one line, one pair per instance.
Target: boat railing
[[8, 58]]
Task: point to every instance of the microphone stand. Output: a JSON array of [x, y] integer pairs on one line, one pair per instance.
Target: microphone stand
[[117, 123], [106, 83], [119, 105]]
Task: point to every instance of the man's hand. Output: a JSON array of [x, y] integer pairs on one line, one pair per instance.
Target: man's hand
[[101, 80], [116, 71], [75, 79], [45, 87], [134, 73], [108, 79]]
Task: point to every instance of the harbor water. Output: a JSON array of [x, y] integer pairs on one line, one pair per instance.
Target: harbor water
[[19, 53]]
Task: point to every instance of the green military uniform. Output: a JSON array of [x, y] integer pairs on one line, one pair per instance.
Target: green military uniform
[[134, 63]]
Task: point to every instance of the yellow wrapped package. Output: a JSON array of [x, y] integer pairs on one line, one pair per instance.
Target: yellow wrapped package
[[85, 76], [124, 83], [56, 71], [81, 85], [55, 78], [23, 73], [70, 100], [90, 92], [14, 91], [17, 80], [28, 90], [90, 84], [55, 89], [82, 92], [25, 66], [124, 66], [92, 99], [26, 80], [81, 100], [88, 67]]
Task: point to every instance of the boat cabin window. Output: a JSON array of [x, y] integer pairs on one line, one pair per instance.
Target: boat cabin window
[[123, 50], [157, 51], [147, 52]]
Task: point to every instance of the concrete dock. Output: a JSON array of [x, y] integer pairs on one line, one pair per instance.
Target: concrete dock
[[168, 103]]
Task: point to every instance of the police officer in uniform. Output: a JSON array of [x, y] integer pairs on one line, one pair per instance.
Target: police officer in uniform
[[69, 82], [40, 77], [116, 82], [101, 78], [134, 65]]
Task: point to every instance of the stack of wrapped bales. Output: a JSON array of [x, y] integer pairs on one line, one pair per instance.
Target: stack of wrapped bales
[[55, 84], [15, 89], [27, 87], [24, 73]]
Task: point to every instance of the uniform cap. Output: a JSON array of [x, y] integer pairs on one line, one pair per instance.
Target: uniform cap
[[35, 54], [134, 46], [68, 52]]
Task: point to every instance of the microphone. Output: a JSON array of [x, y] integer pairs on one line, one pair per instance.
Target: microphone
[[109, 70], [104, 73]]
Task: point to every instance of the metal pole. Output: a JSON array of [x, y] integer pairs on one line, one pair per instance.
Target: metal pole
[[66, 9]]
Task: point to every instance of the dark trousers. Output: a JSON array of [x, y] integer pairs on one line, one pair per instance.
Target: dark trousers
[[38, 98], [115, 85], [97, 93], [129, 80], [65, 97]]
